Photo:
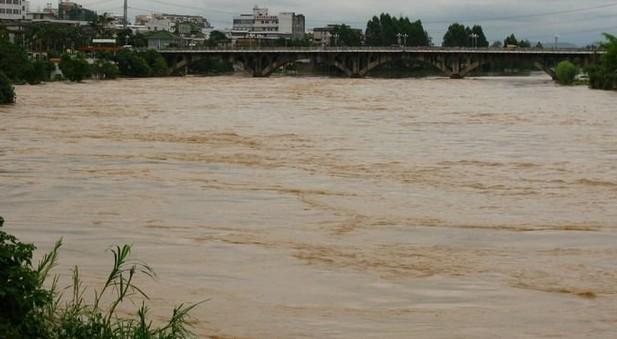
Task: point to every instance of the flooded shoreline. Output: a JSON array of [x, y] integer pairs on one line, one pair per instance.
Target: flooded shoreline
[[331, 208]]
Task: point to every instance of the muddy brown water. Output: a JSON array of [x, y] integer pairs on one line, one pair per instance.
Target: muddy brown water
[[331, 208]]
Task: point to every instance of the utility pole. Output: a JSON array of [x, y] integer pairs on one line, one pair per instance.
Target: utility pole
[[556, 41], [126, 17]]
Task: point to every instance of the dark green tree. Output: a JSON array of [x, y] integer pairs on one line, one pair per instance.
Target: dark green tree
[[131, 64], [347, 36], [510, 41], [7, 96], [156, 62], [106, 70], [14, 60], [524, 44], [481, 40], [385, 29], [217, 38], [75, 67], [603, 75], [457, 36], [461, 36]]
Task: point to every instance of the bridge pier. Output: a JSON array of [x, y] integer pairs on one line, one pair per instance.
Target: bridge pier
[[546, 68]]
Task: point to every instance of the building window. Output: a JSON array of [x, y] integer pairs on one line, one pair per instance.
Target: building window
[[1, 10], [16, 2]]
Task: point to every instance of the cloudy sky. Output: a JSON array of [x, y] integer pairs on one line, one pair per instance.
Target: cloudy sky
[[576, 21]]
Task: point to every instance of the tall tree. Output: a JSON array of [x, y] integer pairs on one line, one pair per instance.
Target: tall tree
[[457, 36], [461, 36], [481, 40], [510, 41], [387, 30], [347, 36]]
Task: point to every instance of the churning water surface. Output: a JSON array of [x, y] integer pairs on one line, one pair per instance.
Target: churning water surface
[[331, 208]]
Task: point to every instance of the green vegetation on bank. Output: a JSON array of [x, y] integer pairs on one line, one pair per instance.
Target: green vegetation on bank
[[603, 75], [33, 304], [7, 92], [566, 72], [75, 67], [16, 65]]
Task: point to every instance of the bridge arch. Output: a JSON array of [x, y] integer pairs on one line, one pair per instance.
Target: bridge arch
[[359, 61]]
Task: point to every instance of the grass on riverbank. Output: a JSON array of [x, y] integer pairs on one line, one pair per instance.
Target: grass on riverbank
[[30, 309]]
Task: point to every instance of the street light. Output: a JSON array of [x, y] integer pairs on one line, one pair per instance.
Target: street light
[[474, 40], [336, 36]]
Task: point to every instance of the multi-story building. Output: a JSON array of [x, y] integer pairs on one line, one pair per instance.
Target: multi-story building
[[171, 22], [13, 9], [196, 20], [68, 10], [261, 25]]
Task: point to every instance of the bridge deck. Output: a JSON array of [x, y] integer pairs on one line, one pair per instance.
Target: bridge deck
[[386, 50]]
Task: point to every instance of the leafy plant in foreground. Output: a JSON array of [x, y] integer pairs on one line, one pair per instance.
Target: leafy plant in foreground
[[30, 310]]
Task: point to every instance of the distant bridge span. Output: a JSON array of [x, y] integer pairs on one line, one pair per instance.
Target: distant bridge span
[[357, 62]]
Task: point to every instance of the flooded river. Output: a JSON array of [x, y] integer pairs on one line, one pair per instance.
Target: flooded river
[[331, 208]]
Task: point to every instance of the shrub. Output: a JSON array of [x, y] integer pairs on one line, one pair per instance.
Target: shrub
[[14, 60], [74, 67], [106, 70], [157, 63], [38, 71], [566, 72], [29, 310], [7, 92], [210, 66], [131, 64], [603, 75]]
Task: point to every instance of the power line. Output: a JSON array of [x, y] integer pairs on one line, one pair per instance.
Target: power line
[[534, 15]]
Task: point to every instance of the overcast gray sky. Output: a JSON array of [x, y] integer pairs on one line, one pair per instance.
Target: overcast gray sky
[[577, 21]]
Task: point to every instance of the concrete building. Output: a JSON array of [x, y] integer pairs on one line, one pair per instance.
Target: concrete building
[[13, 9], [196, 20], [261, 25], [162, 39], [170, 22], [68, 10]]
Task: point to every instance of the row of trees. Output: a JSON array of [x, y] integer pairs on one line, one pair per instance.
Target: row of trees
[[384, 30], [461, 36], [387, 30]]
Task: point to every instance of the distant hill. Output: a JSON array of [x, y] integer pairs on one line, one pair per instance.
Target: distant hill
[[551, 44]]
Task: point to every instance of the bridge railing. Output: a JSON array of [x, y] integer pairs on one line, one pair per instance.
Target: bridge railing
[[374, 48]]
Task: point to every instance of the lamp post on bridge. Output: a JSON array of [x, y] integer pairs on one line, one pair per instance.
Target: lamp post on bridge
[[402, 39], [474, 40], [336, 36]]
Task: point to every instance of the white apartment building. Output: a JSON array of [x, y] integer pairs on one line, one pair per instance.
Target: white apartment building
[[13, 9], [265, 26], [169, 22]]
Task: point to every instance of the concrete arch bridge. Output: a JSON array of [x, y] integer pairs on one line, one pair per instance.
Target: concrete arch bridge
[[357, 62]]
